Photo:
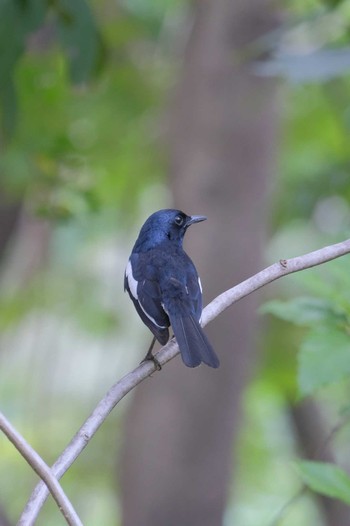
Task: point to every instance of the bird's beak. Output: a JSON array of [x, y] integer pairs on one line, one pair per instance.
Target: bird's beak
[[195, 219]]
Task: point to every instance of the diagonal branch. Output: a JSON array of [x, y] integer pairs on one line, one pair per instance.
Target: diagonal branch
[[168, 352], [42, 469]]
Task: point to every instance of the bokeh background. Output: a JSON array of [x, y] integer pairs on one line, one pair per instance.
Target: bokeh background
[[236, 109]]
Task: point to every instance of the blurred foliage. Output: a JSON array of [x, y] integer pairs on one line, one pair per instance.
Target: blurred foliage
[[75, 26], [326, 479], [77, 151], [325, 347], [80, 149], [82, 92], [307, 345]]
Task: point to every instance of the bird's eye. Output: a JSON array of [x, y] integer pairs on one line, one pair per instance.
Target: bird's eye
[[179, 220]]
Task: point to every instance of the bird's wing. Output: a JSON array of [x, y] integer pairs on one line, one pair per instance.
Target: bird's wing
[[185, 284], [194, 291], [182, 297], [143, 288]]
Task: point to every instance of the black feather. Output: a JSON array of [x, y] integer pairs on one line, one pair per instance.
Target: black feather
[[194, 346], [163, 284]]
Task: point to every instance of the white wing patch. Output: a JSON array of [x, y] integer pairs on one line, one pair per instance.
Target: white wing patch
[[152, 319], [131, 280], [200, 288], [133, 289]]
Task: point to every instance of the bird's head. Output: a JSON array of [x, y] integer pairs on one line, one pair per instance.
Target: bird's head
[[165, 225]]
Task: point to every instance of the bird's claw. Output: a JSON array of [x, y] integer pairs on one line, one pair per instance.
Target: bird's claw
[[153, 359]]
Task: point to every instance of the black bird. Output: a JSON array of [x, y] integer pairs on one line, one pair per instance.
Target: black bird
[[165, 288]]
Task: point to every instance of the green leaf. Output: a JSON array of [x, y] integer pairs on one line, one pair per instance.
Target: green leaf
[[301, 311], [17, 20], [325, 478], [324, 358]]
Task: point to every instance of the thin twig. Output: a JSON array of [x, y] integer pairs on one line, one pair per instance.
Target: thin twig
[[272, 273], [42, 469], [169, 351]]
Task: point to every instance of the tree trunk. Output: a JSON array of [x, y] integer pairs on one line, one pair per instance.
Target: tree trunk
[[3, 519], [183, 423]]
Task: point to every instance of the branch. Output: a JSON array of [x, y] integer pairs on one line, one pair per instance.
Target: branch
[[270, 274], [43, 470], [167, 353]]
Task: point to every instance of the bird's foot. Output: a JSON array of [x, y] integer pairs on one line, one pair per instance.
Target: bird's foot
[[152, 358]]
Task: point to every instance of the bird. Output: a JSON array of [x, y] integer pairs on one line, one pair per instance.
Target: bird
[[165, 288]]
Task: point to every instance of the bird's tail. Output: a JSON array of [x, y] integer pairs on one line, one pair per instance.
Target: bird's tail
[[194, 346]]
